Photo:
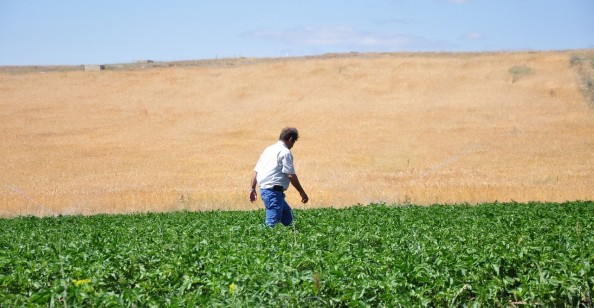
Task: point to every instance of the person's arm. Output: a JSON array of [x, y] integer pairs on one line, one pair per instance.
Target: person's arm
[[253, 194], [295, 182]]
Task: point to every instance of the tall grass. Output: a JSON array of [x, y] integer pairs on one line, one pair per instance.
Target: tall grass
[[374, 128], [584, 65], [519, 71]]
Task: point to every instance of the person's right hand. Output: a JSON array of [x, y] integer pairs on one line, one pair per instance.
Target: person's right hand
[[304, 197]]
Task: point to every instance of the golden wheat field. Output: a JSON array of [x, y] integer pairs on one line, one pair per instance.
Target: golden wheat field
[[395, 128]]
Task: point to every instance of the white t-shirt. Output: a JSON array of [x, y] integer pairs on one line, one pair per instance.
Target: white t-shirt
[[274, 166]]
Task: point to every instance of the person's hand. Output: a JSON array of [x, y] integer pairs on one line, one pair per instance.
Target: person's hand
[[304, 197], [253, 196]]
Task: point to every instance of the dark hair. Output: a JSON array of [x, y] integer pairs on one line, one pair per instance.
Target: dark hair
[[289, 132]]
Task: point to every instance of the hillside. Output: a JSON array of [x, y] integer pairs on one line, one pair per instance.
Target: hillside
[[418, 128]]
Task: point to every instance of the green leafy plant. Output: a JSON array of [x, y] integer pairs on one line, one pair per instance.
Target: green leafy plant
[[501, 254]]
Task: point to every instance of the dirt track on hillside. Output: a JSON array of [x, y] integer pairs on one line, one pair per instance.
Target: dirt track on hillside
[[404, 128]]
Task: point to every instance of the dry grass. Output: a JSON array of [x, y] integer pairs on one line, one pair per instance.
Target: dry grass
[[583, 62], [425, 128]]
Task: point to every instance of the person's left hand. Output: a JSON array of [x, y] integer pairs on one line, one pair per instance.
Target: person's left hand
[[253, 196]]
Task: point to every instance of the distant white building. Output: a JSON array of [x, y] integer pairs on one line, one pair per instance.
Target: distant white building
[[94, 67]]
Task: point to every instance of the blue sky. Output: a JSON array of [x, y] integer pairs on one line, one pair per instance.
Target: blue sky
[[42, 32]]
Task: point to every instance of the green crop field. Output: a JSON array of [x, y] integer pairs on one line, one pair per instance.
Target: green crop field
[[502, 254]]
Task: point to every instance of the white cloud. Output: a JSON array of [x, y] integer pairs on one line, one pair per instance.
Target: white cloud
[[344, 36], [473, 36], [394, 21], [458, 1]]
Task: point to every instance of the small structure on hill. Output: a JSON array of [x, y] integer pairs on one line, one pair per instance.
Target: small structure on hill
[[94, 67]]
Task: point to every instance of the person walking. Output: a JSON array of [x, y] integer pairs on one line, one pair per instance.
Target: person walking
[[273, 173]]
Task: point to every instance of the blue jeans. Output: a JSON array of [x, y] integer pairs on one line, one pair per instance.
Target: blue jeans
[[277, 209]]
